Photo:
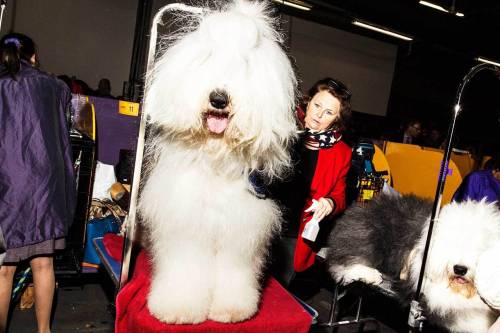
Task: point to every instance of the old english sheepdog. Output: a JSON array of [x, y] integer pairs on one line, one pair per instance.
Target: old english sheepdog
[[386, 239], [221, 99]]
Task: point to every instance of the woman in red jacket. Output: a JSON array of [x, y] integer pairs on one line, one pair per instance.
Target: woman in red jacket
[[324, 162]]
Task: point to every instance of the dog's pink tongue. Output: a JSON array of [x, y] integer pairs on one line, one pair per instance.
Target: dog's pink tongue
[[217, 124]]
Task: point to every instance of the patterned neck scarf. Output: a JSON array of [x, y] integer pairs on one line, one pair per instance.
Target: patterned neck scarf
[[319, 140]]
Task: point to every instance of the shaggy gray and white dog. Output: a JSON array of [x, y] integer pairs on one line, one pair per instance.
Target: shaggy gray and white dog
[[385, 240]]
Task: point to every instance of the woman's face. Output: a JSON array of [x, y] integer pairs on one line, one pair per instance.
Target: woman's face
[[322, 111]]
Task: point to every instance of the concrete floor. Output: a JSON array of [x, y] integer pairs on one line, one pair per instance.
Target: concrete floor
[[86, 307], [318, 294]]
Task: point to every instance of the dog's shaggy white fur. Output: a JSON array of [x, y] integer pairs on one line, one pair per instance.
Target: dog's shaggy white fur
[[387, 239], [222, 99]]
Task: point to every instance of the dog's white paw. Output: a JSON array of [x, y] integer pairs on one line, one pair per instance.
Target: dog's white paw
[[362, 273], [232, 314], [234, 307], [176, 311]]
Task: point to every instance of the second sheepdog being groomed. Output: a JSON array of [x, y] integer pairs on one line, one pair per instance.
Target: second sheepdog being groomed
[[386, 240], [221, 98]]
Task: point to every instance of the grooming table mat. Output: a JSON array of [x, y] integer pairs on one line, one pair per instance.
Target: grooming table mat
[[111, 265], [279, 311]]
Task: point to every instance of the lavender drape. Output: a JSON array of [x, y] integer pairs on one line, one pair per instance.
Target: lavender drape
[[37, 186]]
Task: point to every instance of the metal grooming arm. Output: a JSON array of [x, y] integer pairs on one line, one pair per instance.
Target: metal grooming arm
[[416, 317], [132, 216]]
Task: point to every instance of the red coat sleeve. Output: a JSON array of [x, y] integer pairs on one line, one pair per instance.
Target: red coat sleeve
[[329, 180]]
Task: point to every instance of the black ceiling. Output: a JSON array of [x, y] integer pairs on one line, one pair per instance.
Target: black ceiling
[[429, 68], [472, 35]]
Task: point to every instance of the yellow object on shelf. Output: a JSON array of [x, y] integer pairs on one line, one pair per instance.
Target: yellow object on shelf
[[85, 119], [415, 169], [128, 108], [381, 164]]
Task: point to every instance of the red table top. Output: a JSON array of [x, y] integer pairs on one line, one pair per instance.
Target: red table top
[[278, 311]]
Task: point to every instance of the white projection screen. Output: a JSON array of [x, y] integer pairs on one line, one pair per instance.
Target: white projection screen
[[365, 65]]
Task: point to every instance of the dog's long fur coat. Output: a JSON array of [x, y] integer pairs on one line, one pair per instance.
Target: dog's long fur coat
[[386, 240], [222, 98]]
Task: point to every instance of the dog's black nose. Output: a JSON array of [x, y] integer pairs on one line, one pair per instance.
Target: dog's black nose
[[219, 99], [460, 270]]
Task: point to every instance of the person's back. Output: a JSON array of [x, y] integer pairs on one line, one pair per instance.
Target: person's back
[[33, 149], [37, 185], [482, 184]]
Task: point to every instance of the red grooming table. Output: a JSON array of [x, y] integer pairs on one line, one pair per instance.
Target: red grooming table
[[279, 311]]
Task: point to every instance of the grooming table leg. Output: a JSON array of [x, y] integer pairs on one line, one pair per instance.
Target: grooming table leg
[[333, 309], [332, 318]]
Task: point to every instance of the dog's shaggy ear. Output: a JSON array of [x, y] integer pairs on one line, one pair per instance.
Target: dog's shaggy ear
[[487, 282]]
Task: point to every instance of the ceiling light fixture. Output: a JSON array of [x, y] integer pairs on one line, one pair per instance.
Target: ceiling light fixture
[[381, 30], [487, 61], [440, 8], [295, 4]]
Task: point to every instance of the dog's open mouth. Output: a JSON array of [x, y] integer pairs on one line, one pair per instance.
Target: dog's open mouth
[[460, 279], [462, 285], [217, 120]]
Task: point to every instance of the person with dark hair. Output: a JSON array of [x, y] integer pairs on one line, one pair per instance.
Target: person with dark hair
[[104, 88], [339, 91], [317, 190], [80, 87], [412, 133], [37, 184], [482, 184], [433, 137], [66, 79], [16, 49]]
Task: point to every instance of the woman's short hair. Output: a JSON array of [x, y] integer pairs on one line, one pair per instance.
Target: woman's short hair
[[493, 163], [15, 47], [339, 90]]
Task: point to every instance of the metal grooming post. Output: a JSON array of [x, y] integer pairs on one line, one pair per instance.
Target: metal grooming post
[[3, 4], [416, 317], [132, 217]]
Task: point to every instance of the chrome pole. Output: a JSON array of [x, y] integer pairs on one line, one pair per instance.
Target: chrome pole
[[3, 4], [416, 316], [132, 217]]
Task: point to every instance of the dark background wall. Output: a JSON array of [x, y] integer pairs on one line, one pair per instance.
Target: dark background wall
[[364, 64], [91, 39]]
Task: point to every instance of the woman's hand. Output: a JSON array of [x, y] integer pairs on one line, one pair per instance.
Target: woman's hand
[[321, 208]]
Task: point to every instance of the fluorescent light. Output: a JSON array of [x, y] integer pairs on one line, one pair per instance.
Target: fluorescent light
[[295, 4], [432, 5], [381, 30], [488, 61], [440, 8]]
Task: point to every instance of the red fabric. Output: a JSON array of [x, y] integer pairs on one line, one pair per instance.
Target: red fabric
[[329, 180], [279, 311], [113, 245]]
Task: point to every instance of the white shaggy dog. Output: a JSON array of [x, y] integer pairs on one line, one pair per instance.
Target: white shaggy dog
[[222, 99], [386, 240]]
